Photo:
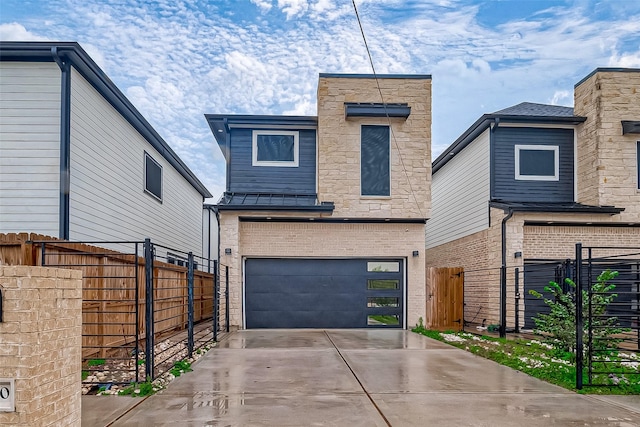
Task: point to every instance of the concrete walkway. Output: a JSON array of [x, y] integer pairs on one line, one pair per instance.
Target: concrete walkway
[[356, 378]]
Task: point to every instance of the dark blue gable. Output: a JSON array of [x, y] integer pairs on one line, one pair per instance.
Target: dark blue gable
[[505, 186], [243, 177]]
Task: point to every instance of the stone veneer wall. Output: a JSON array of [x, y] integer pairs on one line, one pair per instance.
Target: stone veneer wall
[[41, 344], [324, 240], [339, 147], [607, 171]]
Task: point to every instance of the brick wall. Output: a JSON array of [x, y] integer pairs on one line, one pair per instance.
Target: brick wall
[[559, 241], [339, 147], [40, 344], [328, 240], [481, 295], [607, 171]]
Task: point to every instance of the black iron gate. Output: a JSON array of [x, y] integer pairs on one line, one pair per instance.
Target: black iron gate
[[604, 359]]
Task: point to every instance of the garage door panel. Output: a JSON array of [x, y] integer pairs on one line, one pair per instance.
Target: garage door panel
[[306, 319], [315, 293]]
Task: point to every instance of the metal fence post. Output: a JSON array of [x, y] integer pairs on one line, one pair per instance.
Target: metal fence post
[[503, 301], [216, 300], [190, 305], [579, 319], [226, 298], [517, 311], [42, 256], [137, 304], [149, 335]]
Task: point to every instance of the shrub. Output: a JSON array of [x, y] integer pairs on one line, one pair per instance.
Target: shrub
[[559, 326]]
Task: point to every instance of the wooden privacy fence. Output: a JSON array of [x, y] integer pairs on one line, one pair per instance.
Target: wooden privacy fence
[[445, 299], [114, 289]]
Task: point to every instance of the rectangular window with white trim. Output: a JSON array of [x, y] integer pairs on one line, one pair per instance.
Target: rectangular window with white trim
[[537, 162], [275, 148], [152, 177]]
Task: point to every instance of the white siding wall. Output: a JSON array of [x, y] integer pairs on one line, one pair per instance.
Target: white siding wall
[[29, 147], [107, 198], [460, 194]]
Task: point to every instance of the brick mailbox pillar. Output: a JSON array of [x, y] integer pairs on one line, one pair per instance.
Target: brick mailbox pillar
[[40, 346]]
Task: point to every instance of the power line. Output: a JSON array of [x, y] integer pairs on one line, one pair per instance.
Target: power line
[[384, 105]]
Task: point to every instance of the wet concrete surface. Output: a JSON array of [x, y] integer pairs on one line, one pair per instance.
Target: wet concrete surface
[[364, 378]]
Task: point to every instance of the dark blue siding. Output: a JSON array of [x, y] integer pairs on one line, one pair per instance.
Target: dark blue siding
[[243, 177], [504, 186]]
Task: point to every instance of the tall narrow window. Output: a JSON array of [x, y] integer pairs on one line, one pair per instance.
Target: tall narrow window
[[638, 163], [152, 177], [375, 177]]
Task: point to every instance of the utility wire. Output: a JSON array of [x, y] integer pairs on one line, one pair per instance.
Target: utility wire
[[384, 105]]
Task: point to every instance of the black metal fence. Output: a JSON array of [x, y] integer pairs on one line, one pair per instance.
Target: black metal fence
[[604, 359], [145, 306], [501, 300]]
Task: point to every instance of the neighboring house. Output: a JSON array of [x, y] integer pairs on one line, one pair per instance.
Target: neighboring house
[[530, 181], [79, 162], [322, 222]]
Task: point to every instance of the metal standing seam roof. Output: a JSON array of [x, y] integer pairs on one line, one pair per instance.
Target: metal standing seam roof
[[273, 201], [571, 207]]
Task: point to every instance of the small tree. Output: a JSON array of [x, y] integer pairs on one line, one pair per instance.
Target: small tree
[[559, 326]]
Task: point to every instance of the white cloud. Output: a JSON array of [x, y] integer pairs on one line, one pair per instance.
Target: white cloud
[[562, 97], [264, 5], [16, 32], [629, 60], [293, 8]]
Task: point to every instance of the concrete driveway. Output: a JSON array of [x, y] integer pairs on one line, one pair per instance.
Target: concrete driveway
[[363, 378]]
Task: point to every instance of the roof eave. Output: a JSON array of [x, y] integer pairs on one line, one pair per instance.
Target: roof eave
[[609, 210], [485, 121], [82, 62], [276, 208]]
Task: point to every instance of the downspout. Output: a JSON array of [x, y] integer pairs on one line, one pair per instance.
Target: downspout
[[503, 277], [65, 143]]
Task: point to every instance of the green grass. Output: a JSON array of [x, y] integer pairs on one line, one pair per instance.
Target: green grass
[[180, 367], [96, 362], [144, 389], [387, 320], [85, 374], [544, 362]]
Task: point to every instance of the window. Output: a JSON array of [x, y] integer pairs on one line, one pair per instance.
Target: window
[[383, 284], [638, 163], [275, 148], [383, 266], [375, 177], [152, 177], [537, 162]]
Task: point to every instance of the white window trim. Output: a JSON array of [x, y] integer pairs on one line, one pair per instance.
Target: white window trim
[[296, 149], [144, 178], [554, 148]]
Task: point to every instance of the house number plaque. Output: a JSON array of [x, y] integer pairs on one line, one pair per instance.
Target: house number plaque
[[7, 393]]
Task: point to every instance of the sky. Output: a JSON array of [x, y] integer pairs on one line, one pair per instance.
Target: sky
[[177, 60]]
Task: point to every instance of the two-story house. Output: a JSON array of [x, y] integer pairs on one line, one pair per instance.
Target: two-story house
[[79, 162], [528, 182], [322, 222]]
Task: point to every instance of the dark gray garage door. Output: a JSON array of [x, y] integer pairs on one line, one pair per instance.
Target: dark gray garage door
[[323, 293]]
